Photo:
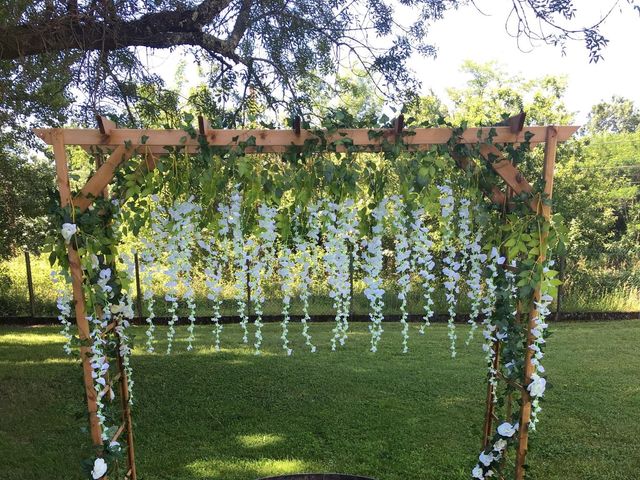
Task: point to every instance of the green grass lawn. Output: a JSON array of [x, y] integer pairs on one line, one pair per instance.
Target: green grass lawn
[[232, 415]]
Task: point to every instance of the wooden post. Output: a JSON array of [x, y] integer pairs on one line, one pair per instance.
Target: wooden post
[[545, 211], [27, 261], [62, 177], [126, 416], [138, 289]]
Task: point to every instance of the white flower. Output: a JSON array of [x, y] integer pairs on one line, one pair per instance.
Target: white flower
[[507, 430], [477, 473], [537, 386], [99, 468], [500, 445], [68, 230], [486, 459]]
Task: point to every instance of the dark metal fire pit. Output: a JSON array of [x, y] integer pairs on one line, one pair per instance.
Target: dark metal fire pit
[[317, 476]]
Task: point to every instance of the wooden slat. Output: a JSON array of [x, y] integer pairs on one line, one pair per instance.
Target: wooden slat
[[105, 125], [116, 435], [285, 138], [510, 381], [110, 327]]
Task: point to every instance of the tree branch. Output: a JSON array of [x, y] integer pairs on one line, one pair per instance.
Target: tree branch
[[163, 29]]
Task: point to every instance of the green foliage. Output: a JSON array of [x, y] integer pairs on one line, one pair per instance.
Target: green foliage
[[492, 92], [619, 115], [26, 186]]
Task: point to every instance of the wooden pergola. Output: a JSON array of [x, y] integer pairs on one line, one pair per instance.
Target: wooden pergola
[[123, 144]]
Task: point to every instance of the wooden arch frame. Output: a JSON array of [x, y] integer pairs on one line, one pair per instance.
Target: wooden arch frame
[[125, 143]]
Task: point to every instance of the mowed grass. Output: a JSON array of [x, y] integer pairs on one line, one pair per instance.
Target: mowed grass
[[233, 415]]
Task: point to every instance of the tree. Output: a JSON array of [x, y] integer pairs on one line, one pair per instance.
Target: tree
[[620, 115], [50, 47], [491, 93], [25, 189]]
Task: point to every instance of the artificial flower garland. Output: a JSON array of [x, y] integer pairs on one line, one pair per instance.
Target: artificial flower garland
[[307, 254], [64, 298], [451, 267], [403, 264], [424, 264], [372, 264]]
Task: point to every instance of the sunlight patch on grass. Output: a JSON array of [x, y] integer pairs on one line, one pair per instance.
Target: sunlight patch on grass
[[31, 338], [259, 440], [242, 468], [46, 361]]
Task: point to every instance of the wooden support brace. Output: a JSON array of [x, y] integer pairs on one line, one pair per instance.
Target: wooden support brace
[[99, 181], [509, 173]]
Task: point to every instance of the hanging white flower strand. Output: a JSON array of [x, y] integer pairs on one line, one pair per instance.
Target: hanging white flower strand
[[403, 264], [451, 268], [254, 276], [213, 282], [424, 263], [99, 362], [180, 229], [287, 280], [339, 220], [64, 299], [262, 258], [538, 383], [148, 266], [488, 309], [372, 264], [474, 282], [240, 260], [123, 314], [306, 248]]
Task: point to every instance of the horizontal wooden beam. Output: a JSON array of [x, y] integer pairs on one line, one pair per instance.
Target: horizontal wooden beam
[[277, 140]]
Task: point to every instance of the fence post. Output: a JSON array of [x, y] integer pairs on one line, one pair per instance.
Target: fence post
[[27, 261], [138, 289]]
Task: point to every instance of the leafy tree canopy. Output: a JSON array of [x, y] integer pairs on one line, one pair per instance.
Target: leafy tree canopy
[[53, 50], [620, 115]]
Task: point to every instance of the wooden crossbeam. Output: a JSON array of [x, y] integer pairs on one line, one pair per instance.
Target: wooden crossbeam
[[286, 138]]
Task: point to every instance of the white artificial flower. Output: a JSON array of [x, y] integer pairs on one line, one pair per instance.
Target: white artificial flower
[[500, 445], [477, 473], [507, 430], [68, 230], [99, 468], [537, 386], [486, 458]]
